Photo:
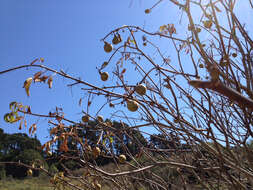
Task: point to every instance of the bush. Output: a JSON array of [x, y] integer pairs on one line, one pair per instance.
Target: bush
[[2, 172], [28, 157], [53, 169]]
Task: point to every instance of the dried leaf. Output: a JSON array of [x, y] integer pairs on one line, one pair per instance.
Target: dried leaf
[[30, 130], [50, 82], [128, 41], [64, 146], [13, 104], [38, 80], [48, 144], [20, 125], [58, 118], [43, 78], [52, 114], [25, 124], [127, 55], [34, 128], [172, 29], [104, 65], [80, 102], [123, 71], [53, 130], [18, 118], [29, 109], [162, 28], [37, 75], [27, 85], [43, 146]]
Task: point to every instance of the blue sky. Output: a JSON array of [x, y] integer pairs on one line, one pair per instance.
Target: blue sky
[[67, 35]]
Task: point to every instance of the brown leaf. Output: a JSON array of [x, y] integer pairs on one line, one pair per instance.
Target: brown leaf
[[64, 146], [44, 78], [37, 75], [172, 29], [25, 124], [48, 144], [20, 125], [52, 114], [58, 118], [53, 130], [43, 146], [34, 129], [80, 102], [30, 130], [123, 71], [50, 82], [29, 109], [18, 118], [27, 85], [127, 55]]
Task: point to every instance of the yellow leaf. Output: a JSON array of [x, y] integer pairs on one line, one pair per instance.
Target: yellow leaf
[[162, 28], [208, 24]]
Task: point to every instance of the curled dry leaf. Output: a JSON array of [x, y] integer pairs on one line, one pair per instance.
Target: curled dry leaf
[[80, 102], [34, 129], [43, 78], [29, 109], [50, 82], [64, 146], [20, 125], [58, 118], [104, 64], [37, 75], [53, 130], [27, 85]]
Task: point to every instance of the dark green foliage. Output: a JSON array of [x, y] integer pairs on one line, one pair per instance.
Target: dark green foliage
[[119, 138], [2, 172], [165, 142], [15, 143], [21, 148], [28, 157]]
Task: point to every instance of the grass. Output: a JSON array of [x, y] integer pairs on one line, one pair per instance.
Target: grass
[[32, 183], [43, 182]]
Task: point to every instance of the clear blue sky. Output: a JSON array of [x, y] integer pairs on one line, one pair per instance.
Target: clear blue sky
[[67, 35]]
